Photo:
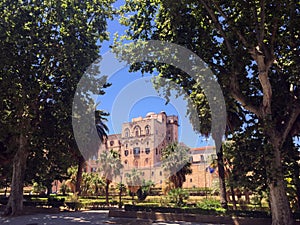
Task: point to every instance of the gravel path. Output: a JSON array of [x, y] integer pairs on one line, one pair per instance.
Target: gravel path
[[92, 217]]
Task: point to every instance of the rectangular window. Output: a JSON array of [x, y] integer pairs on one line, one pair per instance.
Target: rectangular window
[[147, 150], [136, 150]]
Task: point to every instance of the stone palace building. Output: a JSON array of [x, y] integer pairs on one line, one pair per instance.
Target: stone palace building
[[140, 146]]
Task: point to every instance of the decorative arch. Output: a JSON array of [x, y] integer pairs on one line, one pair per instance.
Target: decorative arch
[[147, 130], [127, 132], [137, 131], [146, 162], [136, 163]]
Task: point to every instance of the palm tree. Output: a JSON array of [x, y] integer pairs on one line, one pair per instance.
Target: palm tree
[[102, 131], [98, 183], [101, 127], [134, 182], [110, 166], [122, 188], [176, 163]]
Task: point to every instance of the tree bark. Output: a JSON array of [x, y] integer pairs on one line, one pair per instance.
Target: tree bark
[[280, 208], [49, 188], [233, 197], [221, 171], [15, 202], [81, 163], [106, 191], [297, 182], [120, 197]]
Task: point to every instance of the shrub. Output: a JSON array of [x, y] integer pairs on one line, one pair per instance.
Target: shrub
[[209, 204], [144, 190], [39, 188], [177, 196], [64, 188], [54, 202]]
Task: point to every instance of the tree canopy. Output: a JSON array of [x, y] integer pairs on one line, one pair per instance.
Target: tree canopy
[[46, 47], [253, 49]]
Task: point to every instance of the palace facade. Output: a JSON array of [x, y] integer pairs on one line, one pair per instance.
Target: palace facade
[[140, 146]]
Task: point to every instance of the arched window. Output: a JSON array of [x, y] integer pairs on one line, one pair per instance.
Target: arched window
[[147, 130], [126, 152], [136, 163], [126, 132], [137, 131], [146, 162]]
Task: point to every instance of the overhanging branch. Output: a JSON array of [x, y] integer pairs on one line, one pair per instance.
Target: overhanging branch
[[295, 112]]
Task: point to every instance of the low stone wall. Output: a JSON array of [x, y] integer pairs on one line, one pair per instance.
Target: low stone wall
[[191, 218]]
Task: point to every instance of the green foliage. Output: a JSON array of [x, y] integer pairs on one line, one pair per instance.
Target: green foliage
[[245, 147], [110, 164], [121, 187], [64, 188], [92, 184], [252, 47], [38, 188], [177, 196], [176, 163], [209, 204], [134, 178], [46, 48], [144, 190]]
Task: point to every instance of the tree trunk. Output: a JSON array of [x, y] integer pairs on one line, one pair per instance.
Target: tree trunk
[[221, 171], [296, 174], [15, 202], [233, 197], [120, 197], [81, 163], [280, 208], [49, 188], [106, 191], [6, 186], [297, 182]]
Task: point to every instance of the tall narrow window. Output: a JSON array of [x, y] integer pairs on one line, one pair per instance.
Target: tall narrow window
[[126, 152], [146, 162], [147, 129], [126, 133], [137, 131], [147, 150]]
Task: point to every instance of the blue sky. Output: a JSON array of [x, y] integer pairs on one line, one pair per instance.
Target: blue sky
[[124, 84], [132, 95]]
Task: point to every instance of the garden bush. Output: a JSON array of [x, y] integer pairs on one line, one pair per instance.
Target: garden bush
[[177, 196]]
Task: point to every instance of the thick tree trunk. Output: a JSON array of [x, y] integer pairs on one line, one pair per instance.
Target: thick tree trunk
[[280, 208], [81, 163], [15, 202], [221, 171]]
